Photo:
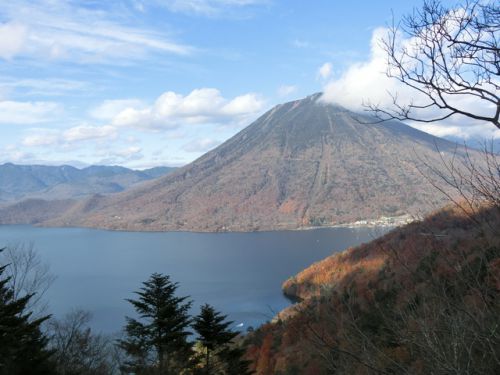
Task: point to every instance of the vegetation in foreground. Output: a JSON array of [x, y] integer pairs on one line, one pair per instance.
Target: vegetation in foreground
[[423, 299], [23, 346], [154, 343], [157, 342]]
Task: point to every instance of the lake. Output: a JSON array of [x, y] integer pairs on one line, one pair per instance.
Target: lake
[[238, 273]]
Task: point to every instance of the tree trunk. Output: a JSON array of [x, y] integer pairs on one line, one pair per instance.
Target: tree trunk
[[207, 368]]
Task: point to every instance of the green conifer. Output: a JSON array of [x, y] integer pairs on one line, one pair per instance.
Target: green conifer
[[23, 347], [157, 342], [221, 355]]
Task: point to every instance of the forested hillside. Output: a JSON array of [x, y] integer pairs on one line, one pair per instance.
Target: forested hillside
[[422, 299]]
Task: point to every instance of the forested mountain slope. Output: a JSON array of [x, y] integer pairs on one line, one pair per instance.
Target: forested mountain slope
[[422, 299]]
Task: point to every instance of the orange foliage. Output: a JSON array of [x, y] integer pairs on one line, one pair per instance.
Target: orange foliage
[[441, 245], [264, 357], [289, 206]]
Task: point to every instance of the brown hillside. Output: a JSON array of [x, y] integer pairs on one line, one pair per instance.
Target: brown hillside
[[422, 299]]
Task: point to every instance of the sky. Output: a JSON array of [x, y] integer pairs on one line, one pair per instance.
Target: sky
[[142, 83]]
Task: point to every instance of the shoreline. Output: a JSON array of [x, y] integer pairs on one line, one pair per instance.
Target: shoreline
[[383, 221]]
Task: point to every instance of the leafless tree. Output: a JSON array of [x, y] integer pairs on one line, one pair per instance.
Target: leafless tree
[[77, 350], [28, 274], [470, 180], [448, 55]]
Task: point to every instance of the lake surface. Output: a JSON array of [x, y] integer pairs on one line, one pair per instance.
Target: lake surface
[[238, 273]]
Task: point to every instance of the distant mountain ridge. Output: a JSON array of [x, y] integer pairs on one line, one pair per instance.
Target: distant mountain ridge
[[303, 163], [19, 182]]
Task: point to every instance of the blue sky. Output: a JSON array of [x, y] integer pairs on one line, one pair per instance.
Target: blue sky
[[141, 83]]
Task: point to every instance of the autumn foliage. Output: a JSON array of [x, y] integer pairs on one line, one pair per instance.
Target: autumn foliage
[[422, 299]]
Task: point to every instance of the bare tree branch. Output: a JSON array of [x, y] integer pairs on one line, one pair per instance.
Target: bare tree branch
[[449, 54]]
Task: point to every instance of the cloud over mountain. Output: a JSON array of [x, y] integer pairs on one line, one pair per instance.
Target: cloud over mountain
[[367, 82]]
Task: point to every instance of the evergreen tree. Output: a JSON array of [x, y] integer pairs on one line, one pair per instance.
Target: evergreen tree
[[22, 344], [221, 356], [157, 343]]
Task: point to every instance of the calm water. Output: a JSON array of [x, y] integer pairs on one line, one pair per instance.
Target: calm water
[[239, 273]]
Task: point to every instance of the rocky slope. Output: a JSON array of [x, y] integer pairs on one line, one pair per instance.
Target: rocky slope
[[301, 164]]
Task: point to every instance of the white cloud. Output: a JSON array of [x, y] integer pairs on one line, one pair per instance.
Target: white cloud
[[120, 156], [286, 90], [45, 138], [86, 132], [67, 138], [198, 103], [133, 117], [61, 30], [208, 7], [205, 105], [12, 39], [12, 154], [241, 106], [364, 81], [21, 113], [325, 70], [482, 131], [298, 43], [123, 126], [367, 82], [42, 87], [128, 152], [201, 145], [109, 109]]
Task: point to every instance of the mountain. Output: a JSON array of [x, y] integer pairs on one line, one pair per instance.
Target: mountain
[[157, 171], [422, 299], [303, 163], [19, 182]]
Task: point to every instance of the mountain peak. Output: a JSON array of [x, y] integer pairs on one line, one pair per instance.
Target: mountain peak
[[314, 97], [303, 163], [314, 103]]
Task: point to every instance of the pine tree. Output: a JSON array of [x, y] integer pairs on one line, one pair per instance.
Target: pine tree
[[22, 344], [157, 343], [234, 362], [220, 357]]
